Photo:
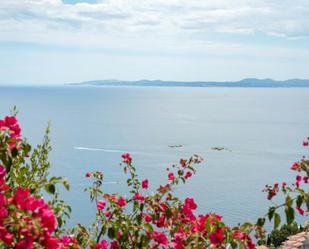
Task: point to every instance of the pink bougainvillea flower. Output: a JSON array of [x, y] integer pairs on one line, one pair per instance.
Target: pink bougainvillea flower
[[67, 241], [48, 219], [51, 243], [3, 200], [21, 197], [298, 178], [10, 120], [139, 197], [126, 158], [305, 143], [2, 124], [188, 175], [300, 210], [147, 218], [160, 238], [102, 245], [3, 213], [189, 202], [305, 178], [121, 202], [2, 171], [101, 205], [217, 237], [11, 125], [114, 245], [6, 236], [295, 166], [88, 174], [145, 184], [171, 176]]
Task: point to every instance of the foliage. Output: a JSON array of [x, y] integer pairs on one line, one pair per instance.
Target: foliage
[[141, 219], [277, 236], [26, 220], [296, 197]]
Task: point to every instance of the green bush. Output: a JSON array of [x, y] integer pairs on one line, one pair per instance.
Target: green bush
[[278, 236]]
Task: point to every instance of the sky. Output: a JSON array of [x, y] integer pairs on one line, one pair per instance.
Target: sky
[[66, 41]]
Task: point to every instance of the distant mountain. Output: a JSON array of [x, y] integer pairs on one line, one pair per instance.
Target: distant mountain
[[249, 82]]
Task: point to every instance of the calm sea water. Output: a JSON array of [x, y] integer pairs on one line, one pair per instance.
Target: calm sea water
[[92, 126]]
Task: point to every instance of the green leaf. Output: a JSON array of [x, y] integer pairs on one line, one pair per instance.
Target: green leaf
[[299, 201], [111, 233], [148, 227], [290, 214], [307, 202], [277, 220], [66, 184], [271, 212], [14, 152], [288, 201], [50, 188], [260, 222]]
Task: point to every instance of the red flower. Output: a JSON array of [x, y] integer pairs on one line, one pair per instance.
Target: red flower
[[147, 218], [126, 158], [305, 178], [189, 202], [298, 178], [10, 120], [2, 124], [3, 213], [145, 184], [3, 200], [217, 237], [48, 219], [101, 205], [102, 245], [2, 171], [160, 238], [121, 202], [10, 123], [21, 197], [300, 210], [114, 245], [188, 175], [67, 241], [305, 143], [88, 174], [139, 197], [295, 166], [51, 243], [171, 176]]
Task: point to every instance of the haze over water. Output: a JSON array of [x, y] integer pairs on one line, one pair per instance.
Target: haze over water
[[262, 130]]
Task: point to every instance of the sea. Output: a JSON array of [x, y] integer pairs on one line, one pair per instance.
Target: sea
[[260, 129]]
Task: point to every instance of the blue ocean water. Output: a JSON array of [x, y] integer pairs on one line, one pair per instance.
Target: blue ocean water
[[262, 128]]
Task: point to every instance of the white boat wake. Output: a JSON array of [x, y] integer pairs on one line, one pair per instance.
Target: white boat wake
[[110, 150], [108, 183], [98, 149]]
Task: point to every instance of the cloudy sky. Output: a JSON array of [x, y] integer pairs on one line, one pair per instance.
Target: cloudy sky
[[61, 41]]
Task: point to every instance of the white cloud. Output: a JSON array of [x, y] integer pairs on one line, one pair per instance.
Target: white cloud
[[286, 17], [158, 26]]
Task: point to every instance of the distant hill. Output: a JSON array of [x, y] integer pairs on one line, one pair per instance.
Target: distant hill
[[249, 82]]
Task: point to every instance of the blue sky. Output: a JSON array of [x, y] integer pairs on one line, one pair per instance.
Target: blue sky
[[61, 41]]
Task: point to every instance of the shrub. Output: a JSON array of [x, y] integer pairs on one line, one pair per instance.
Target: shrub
[[277, 236], [143, 219]]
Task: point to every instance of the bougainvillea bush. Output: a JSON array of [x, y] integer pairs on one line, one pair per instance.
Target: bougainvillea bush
[[141, 219]]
